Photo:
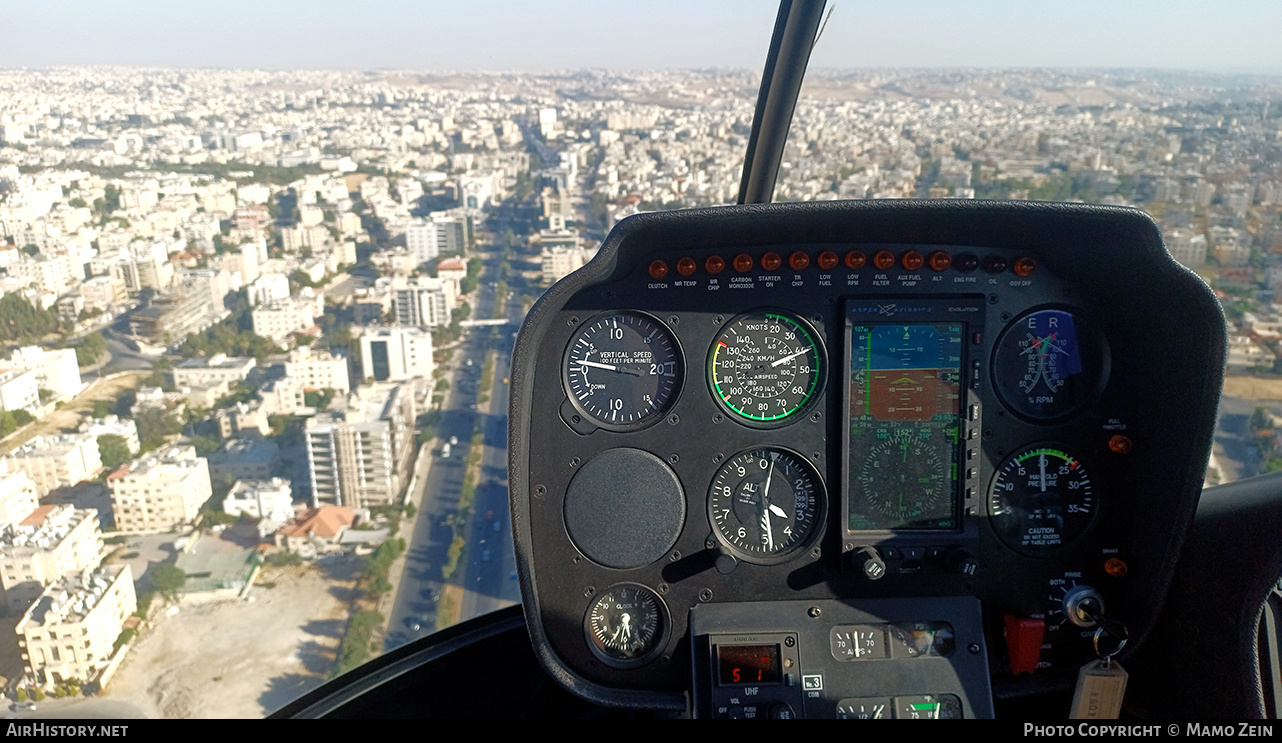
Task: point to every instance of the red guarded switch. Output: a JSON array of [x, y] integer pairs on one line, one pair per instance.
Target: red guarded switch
[[1024, 642]]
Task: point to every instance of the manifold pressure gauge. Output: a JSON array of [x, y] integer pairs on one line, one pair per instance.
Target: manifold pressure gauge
[[626, 625]]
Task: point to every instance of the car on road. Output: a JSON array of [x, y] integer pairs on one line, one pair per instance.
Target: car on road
[[489, 515], [454, 441], [498, 526], [23, 707], [485, 555]]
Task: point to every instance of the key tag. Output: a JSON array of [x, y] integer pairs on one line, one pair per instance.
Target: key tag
[[1100, 684]]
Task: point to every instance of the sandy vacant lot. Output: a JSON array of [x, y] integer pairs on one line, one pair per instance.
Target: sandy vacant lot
[[240, 659], [1253, 388]]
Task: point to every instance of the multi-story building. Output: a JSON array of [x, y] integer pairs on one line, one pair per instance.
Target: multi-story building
[[282, 396], [217, 368], [19, 390], [161, 491], [271, 499], [268, 288], [170, 317], [283, 317], [243, 419], [244, 459], [60, 461], [71, 630], [359, 455], [559, 262], [395, 354], [56, 370], [441, 232], [314, 369], [49, 544], [424, 301], [18, 497], [114, 425]]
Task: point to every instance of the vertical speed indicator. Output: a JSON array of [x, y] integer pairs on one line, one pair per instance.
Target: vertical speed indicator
[[765, 368], [622, 370]]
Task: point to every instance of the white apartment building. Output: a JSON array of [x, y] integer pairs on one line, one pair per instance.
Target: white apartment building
[[217, 368], [284, 317], [52, 274], [49, 544], [60, 461], [559, 262], [424, 301], [1187, 247], [318, 369], [395, 354], [440, 233], [71, 630], [114, 425], [19, 390], [283, 396], [161, 491], [56, 370], [261, 499], [268, 288], [18, 497], [359, 455]]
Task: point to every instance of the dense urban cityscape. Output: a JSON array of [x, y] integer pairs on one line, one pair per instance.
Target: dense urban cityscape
[[258, 325]]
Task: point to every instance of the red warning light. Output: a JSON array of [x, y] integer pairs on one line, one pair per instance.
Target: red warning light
[[799, 260], [658, 269], [883, 259], [686, 266], [714, 264]]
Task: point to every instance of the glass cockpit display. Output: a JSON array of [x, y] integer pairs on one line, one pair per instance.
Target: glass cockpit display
[[905, 406]]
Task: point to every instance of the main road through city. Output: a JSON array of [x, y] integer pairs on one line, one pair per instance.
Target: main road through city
[[487, 570]]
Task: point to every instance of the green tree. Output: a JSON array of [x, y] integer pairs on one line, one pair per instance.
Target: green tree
[[101, 409], [167, 579], [91, 349], [20, 321], [114, 450]]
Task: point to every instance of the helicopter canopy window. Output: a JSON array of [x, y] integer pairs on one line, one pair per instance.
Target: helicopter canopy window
[[298, 258]]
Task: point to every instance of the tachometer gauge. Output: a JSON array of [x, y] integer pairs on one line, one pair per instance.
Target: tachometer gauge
[[622, 370], [1041, 501], [766, 504], [765, 368], [626, 625], [1049, 364]]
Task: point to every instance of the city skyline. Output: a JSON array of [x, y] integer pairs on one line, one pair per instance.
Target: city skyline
[[500, 35]]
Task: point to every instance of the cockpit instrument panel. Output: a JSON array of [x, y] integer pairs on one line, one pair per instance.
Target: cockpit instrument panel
[[865, 455]]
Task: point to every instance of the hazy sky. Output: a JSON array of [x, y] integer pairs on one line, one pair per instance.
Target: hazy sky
[[565, 34]]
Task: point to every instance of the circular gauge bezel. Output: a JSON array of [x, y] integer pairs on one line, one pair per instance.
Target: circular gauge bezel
[[661, 637], [648, 419], [1009, 538], [812, 395], [1088, 332], [942, 496], [816, 525]]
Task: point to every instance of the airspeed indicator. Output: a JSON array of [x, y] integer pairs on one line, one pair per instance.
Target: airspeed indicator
[[765, 368]]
